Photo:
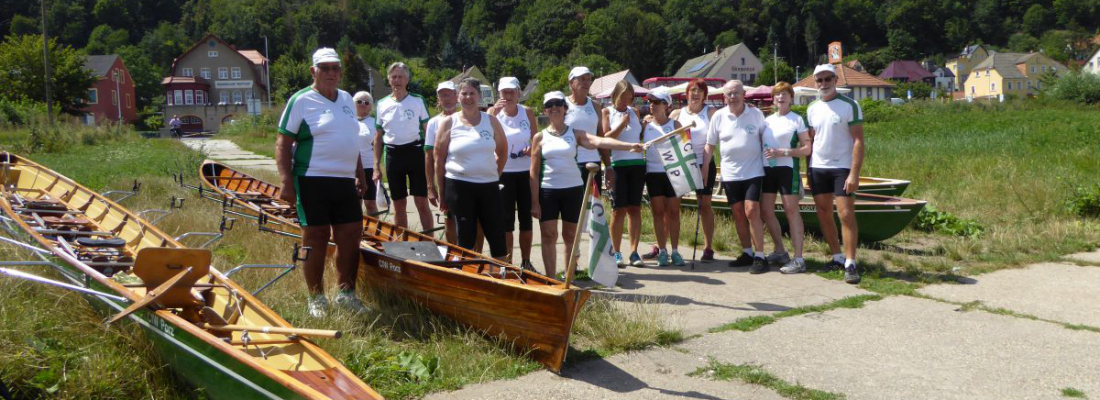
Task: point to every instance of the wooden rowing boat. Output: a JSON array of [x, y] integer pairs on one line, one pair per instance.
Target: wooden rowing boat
[[211, 331], [529, 309], [878, 217]]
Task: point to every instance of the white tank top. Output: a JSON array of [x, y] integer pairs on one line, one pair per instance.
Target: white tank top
[[471, 154], [699, 132], [559, 161], [583, 118], [631, 134], [653, 162], [518, 131]]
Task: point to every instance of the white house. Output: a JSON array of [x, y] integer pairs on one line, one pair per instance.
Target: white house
[[734, 62], [1093, 64]]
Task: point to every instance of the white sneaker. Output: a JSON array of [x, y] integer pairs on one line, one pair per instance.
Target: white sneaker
[[350, 302], [794, 267], [318, 305]]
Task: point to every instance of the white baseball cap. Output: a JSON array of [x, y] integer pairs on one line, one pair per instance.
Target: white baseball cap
[[325, 55], [825, 68], [579, 71], [445, 85], [660, 93], [508, 82], [555, 95]]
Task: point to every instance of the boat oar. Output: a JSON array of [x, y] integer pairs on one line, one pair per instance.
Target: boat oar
[[39, 279], [151, 296], [571, 259], [324, 333], [668, 135]]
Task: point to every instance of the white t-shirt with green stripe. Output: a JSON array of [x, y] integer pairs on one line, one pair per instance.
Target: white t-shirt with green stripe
[[832, 121], [782, 133], [325, 132], [401, 121]]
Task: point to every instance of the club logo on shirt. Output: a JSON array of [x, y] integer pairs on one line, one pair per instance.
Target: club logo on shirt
[[589, 110], [347, 111], [485, 134], [751, 129], [834, 119], [408, 114], [568, 139], [525, 125], [666, 128]]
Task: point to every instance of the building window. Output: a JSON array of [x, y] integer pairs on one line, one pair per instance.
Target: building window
[[223, 73], [188, 97], [179, 97], [129, 102], [168, 98], [1033, 69], [742, 61], [93, 96], [212, 54], [248, 95], [188, 72], [114, 98], [236, 73], [752, 77], [1044, 68], [200, 97], [992, 87], [987, 73], [237, 99], [205, 73], [224, 97]]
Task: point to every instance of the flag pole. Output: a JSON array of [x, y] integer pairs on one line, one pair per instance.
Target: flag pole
[[668, 135], [695, 242], [571, 259]]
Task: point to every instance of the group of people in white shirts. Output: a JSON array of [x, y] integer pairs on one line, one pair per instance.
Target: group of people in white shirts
[[487, 170]]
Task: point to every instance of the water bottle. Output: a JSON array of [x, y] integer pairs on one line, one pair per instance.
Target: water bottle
[[771, 161]]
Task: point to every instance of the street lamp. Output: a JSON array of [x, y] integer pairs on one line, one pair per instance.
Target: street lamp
[[267, 72]]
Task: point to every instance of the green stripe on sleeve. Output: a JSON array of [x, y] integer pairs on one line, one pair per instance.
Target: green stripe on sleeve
[[284, 119]]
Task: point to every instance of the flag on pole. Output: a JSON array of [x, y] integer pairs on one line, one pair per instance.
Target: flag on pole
[[680, 163], [601, 261]]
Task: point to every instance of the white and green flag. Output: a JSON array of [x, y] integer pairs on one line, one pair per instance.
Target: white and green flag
[[681, 166], [601, 260]]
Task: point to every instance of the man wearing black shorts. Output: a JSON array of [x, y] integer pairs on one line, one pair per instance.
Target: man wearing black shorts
[[836, 129], [402, 118]]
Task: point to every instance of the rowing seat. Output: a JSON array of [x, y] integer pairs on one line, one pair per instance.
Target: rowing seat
[[52, 220], [156, 265], [111, 242], [45, 204]]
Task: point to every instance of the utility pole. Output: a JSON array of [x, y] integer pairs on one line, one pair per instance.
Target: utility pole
[[46, 61], [267, 73], [118, 98], [775, 63]]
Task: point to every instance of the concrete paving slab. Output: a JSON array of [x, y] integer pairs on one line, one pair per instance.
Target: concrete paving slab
[[910, 348], [1092, 258], [1059, 292], [655, 374], [245, 163]]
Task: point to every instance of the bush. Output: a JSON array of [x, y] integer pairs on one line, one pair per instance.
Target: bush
[[42, 138], [15, 113], [932, 220], [878, 111], [1076, 86], [1085, 201]]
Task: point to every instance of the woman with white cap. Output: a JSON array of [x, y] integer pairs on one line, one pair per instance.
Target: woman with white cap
[[699, 112], [515, 193], [557, 186], [663, 200], [628, 169], [317, 153], [367, 132], [402, 117], [470, 153], [447, 101], [584, 116]]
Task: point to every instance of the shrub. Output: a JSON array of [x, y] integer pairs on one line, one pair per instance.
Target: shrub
[[878, 111], [1085, 201], [1077, 86], [932, 220]]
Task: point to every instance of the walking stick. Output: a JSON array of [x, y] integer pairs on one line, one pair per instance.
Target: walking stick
[[695, 243], [571, 263]]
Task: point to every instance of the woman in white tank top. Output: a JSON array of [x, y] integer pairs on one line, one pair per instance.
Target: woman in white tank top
[[557, 187], [584, 115], [626, 179], [470, 153], [697, 111], [515, 183]]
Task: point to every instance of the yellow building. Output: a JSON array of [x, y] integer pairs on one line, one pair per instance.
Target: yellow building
[[1010, 73], [971, 56]]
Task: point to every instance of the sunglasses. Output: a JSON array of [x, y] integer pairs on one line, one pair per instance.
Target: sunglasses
[[329, 68], [825, 79], [363, 102], [656, 102], [554, 103]]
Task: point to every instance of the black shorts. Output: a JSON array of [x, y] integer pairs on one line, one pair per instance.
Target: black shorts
[[658, 185], [372, 188], [828, 180], [779, 180], [598, 177], [515, 195], [708, 183], [563, 204], [326, 200], [739, 191], [473, 203], [406, 162], [629, 182]]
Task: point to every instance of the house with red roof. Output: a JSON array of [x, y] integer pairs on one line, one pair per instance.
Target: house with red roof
[[213, 83], [862, 85], [112, 96], [907, 71]]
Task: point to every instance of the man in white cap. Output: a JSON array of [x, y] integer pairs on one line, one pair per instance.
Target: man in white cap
[[447, 100], [402, 117], [836, 130], [519, 125], [584, 116], [737, 130], [317, 153]]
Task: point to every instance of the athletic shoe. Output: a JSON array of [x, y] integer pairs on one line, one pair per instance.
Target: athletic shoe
[[619, 259], [777, 258], [635, 260], [794, 267], [834, 265], [527, 266], [317, 306], [350, 302], [759, 266], [743, 261], [677, 259], [662, 259], [651, 254], [851, 274], [708, 255]]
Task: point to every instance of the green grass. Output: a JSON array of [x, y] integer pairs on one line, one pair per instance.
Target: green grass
[[753, 323], [758, 376], [1074, 393], [254, 133]]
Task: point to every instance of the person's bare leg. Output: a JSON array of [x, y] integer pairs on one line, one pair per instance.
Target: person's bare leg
[[568, 233], [399, 217], [672, 218], [756, 226], [371, 206], [549, 246], [741, 222], [347, 237], [316, 238], [508, 243], [794, 222], [618, 217], [425, 210], [706, 213], [824, 203], [635, 214], [526, 239], [657, 207], [449, 231], [767, 214], [845, 206]]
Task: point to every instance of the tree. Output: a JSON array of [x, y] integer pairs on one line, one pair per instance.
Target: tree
[[1036, 20], [115, 13], [768, 74], [1022, 43], [726, 39], [106, 40], [920, 90], [24, 25], [598, 64], [550, 79], [289, 74], [607, 30], [551, 26], [22, 79]]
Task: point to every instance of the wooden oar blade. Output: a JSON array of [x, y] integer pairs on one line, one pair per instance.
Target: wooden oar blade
[[151, 296]]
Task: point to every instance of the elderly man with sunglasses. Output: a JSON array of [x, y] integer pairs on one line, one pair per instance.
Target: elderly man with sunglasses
[[836, 130]]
